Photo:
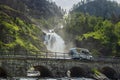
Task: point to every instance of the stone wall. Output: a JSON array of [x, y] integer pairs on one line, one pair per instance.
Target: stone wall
[[55, 67]]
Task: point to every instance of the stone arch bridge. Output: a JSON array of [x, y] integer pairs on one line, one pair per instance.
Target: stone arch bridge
[[17, 65]]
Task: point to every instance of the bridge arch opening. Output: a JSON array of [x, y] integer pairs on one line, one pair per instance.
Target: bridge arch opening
[[76, 72], [109, 72], [3, 73], [44, 71]]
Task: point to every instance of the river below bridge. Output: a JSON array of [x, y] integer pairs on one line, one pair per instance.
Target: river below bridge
[[50, 79]]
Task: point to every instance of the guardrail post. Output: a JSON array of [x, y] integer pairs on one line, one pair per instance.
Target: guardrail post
[[55, 55], [64, 56], [26, 55], [46, 54], [36, 54], [14, 53]]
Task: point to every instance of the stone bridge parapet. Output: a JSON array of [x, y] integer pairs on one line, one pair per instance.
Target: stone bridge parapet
[[17, 66]]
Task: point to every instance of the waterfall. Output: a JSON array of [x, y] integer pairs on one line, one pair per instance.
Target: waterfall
[[54, 42]]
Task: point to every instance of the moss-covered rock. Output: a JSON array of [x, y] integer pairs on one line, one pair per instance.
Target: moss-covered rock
[[18, 32]]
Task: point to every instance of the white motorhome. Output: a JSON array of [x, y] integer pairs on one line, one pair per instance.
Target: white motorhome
[[80, 53]]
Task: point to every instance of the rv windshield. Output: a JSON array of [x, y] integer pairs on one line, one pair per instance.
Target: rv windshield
[[85, 52]]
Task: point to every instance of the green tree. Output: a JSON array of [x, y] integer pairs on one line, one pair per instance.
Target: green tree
[[99, 35], [101, 8]]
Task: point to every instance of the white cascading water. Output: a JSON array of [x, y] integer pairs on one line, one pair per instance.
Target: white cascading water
[[54, 42]]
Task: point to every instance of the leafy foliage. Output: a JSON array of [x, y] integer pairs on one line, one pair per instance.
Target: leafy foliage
[[99, 8], [35, 8], [17, 34], [18, 31], [99, 35], [94, 24]]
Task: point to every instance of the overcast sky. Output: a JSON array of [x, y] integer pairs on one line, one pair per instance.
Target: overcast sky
[[67, 4]]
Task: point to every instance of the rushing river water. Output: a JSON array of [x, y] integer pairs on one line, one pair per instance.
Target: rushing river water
[[50, 79]]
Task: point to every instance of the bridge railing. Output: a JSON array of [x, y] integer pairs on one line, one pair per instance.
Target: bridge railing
[[107, 58], [56, 55], [33, 54], [51, 55]]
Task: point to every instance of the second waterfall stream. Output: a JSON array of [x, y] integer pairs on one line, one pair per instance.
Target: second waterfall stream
[[54, 42]]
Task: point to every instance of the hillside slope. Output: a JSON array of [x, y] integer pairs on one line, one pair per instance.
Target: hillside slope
[[95, 25], [100, 8], [18, 31], [35, 8]]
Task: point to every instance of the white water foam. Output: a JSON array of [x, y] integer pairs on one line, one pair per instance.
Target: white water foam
[[54, 42]]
